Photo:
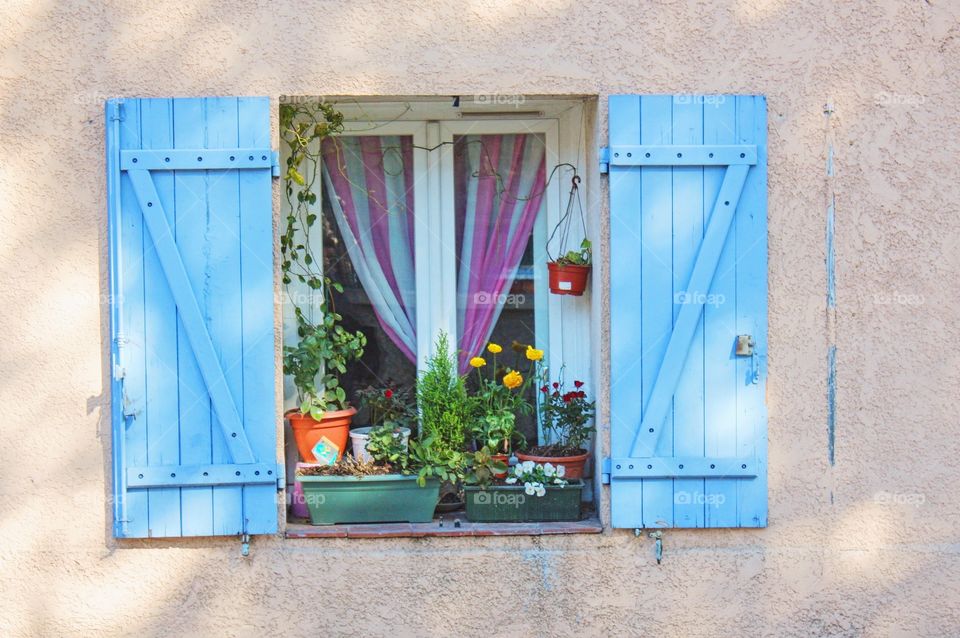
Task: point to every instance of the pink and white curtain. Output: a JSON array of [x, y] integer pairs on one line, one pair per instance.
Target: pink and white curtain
[[499, 183], [371, 180]]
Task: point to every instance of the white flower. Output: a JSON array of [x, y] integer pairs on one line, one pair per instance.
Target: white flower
[[561, 470], [549, 469], [528, 466], [518, 469], [541, 490], [512, 480], [529, 489]]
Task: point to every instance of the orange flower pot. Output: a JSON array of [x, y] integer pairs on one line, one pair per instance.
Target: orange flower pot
[[572, 465], [567, 280], [503, 458], [307, 431]]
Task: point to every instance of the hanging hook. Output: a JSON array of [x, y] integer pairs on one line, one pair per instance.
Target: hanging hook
[[574, 181]]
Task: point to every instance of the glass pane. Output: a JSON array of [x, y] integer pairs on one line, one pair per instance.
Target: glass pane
[[368, 247], [499, 184]]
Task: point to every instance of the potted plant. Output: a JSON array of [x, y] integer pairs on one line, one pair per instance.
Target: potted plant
[[568, 273], [533, 492], [322, 421], [391, 413], [499, 397], [446, 413], [566, 417], [354, 491]]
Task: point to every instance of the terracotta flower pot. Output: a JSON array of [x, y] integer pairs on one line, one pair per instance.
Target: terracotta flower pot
[[567, 279], [572, 465], [307, 431], [503, 458]]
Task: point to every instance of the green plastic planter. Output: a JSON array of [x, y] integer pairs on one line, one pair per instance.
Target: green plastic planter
[[391, 498], [509, 504]]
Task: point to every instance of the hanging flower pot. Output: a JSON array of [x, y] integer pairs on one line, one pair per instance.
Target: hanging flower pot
[[567, 279], [568, 272]]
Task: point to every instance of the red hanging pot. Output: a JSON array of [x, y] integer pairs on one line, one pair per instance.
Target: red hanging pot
[[567, 279]]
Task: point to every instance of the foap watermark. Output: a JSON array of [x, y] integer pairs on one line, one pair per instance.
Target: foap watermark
[[683, 297], [499, 99], [500, 499], [914, 499], [502, 299], [698, 498], [898, 298], [709, 100], [898, 99]]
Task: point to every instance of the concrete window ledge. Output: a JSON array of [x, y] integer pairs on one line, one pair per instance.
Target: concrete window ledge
[[449, 526]]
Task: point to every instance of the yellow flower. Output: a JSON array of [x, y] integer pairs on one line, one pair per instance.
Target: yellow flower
[[512, 379], [494, 348], [533, 354], [478, 362]]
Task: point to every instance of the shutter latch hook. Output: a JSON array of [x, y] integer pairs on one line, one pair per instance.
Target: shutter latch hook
[[658, 547]]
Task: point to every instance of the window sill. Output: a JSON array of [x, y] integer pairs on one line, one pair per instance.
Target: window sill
[[450, 525]]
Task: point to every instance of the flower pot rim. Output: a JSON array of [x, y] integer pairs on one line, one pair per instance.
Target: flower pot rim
[[359, 479], [326, 415], [573, 266], [543, 459], [367, 429], [573, 484]]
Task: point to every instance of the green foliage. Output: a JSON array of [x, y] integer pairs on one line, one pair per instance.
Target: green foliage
[[482, 467], [325, 347], [389, 407], [431, 461], [580, 257], [446, 412], [386, 446]]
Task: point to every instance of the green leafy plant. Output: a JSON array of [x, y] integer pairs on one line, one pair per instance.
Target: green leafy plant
[[566, 417], [431, 461], [325, 347], [387, 447], [482, 468], [581, 257]]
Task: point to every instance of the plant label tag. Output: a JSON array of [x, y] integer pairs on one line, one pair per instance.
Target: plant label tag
[[565, 285], [326, 451]]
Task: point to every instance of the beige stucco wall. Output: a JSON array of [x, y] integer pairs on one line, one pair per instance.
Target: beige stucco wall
[[866, 547]]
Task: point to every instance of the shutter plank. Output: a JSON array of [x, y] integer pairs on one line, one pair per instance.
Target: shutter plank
[[257, 274], [626, 378], [163, 430], [656, 308], [720, 380], [751, 241], [196, 413], [688, 502], [131, 330], [223, 243]]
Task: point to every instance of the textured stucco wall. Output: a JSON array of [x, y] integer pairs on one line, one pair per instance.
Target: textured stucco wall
[[866, 547]]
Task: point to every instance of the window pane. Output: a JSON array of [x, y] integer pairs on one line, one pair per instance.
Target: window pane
[[368, 247], [499, 184]]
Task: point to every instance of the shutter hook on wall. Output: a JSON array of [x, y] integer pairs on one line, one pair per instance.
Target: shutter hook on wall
[[658, 546]]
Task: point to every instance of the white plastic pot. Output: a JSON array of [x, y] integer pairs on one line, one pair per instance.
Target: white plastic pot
[[360, 436]]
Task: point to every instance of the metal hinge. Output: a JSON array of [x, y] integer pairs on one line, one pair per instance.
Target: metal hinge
[[276, 164], [604, 159], [605, 472], [114, 112], [281, 476]]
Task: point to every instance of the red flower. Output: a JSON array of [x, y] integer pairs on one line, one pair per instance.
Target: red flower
[[544, 389], [388, 393], [581, 394], [578, 384], [555, 385]]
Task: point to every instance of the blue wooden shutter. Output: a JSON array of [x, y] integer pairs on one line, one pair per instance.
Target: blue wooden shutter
[[191, 265], [688, 269]]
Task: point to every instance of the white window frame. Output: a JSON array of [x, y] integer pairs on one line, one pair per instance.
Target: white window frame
[[564, 330]]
